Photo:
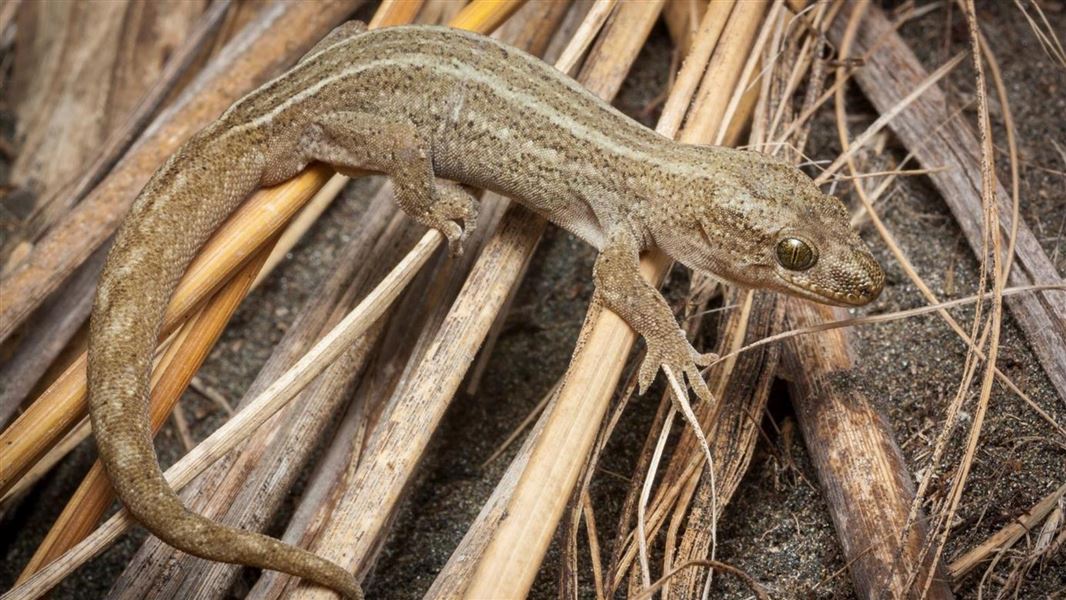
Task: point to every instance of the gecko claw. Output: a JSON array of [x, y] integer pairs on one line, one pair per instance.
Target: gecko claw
[[453, 205]]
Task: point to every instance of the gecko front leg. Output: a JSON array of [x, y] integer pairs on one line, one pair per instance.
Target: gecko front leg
[[620, 288]]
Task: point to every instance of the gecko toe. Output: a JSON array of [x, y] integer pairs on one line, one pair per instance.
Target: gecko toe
[[705, 359], [454, 233], [649, 368], [697, 384]]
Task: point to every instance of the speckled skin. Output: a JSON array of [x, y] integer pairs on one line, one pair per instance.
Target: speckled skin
[[423, 102]]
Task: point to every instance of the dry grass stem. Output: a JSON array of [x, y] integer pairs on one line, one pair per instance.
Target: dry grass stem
[[886, 117], [526, 422], [757, 589], [302, 222], [886, 317], [992, 245], [585, 34], [645, 492], [1049, 40]]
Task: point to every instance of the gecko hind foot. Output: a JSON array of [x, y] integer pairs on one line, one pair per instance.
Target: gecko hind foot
[[453, 204]]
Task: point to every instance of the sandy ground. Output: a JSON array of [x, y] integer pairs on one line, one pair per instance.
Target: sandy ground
[[777, 528]]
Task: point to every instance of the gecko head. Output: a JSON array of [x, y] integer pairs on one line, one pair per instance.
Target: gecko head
[[817, 255], [764, 223]]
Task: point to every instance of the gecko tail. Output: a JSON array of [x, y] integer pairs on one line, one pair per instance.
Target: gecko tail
[[119, 361], [178, 209], [152, 502], [154, 505], [197, 535]]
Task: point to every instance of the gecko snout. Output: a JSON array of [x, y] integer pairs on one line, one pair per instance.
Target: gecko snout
[[865, 280]]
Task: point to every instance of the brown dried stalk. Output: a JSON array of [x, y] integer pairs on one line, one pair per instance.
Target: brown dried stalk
[[864, 478]]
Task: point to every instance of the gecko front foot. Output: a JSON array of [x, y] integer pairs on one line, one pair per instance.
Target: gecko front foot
[[675, 351], [452, 206]]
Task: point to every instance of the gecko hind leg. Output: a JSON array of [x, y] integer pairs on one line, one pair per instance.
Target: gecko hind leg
[[354, 140]]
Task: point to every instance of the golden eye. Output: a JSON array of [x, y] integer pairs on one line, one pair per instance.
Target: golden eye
[[795, 254]]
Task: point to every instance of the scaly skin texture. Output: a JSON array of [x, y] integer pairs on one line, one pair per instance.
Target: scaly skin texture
[[418, 103]]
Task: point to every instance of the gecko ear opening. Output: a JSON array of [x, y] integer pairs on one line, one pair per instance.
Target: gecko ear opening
[[704, 232]]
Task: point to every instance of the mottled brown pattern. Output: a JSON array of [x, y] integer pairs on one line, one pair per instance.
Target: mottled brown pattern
[[425, 102]]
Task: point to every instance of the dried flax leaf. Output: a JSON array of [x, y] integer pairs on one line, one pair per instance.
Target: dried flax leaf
[[734, 430], [863, 475], [79, 72], [55, 323]]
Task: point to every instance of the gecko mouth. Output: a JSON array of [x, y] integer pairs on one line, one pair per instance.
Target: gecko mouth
[[856, 295], [855, 281]]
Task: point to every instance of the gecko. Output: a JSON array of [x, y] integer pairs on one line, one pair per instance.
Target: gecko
[[433, 109]]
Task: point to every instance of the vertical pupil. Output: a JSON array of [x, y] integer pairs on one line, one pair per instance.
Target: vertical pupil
[[795, 254]]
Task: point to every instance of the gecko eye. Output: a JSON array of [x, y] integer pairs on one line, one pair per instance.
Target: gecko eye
[[795, 254]]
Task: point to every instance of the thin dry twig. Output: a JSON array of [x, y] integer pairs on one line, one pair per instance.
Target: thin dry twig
[[1005, 537], [755, 587]]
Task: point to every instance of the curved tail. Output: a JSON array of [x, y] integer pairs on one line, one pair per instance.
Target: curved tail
[[173, 216]]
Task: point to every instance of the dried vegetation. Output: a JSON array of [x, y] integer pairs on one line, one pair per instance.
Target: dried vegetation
[[362, 378]]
